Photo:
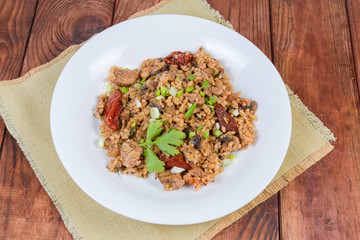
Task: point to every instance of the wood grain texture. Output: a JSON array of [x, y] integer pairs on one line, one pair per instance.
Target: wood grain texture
[[353, 9], [61, 23], [251, 19], [27, 212], [16, 19], [259, 223], [125, 8], [312, 51]]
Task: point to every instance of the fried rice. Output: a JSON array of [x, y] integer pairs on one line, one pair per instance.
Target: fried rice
[[167, 89]]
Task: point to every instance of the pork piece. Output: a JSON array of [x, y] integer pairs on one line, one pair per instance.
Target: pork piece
[[123, 77], [171, 181], [151, 85], [198, 99], [130, 154], [151, 67], [225, 119], [100, 106]]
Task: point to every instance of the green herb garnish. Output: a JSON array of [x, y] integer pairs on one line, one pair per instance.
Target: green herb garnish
[[124, 90], [205, 84], [180, 93], [202, 94], [166, 142], [191, 77], [190, 89], [217, 133], [190, 110], [205, 134], [200, 127], [191, 134]]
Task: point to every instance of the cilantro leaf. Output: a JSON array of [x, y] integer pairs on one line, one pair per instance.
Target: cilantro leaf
[[154, 129], [171, 137], [153, 163]]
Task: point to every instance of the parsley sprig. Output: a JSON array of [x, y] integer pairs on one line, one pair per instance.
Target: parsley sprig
[[166, 142]]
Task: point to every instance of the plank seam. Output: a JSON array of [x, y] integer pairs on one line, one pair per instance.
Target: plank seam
[[28, 39], [352, 49]]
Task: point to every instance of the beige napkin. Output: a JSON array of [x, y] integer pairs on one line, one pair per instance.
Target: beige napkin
[[25, 106]]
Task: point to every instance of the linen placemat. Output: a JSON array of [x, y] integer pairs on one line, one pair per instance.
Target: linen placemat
[[25, 108]]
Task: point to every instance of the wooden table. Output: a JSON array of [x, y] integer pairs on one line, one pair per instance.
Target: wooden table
[[315, 45]]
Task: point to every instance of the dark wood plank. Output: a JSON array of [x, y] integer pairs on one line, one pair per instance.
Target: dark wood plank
[[61, 23], [353, 10], [15, 18], [259, 223], [251, 19], [125, 8], [312, 51], [14, 34], [26, 211]]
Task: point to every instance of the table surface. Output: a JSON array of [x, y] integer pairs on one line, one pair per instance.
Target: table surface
[[315, 45]]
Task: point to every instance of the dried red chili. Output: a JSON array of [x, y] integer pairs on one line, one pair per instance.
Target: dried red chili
[[179, 58], [112, 111], [225, 119], [174, 161]]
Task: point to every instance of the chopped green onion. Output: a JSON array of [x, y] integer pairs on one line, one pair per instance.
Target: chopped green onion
[[205, 84], [205, 134], [124, 90], [217, 133], [101, 142], [164, 91], [138, 86], [107, 88], [200, 127], [232, 157], [226, 162], [165, 122], [190, 89], [202, 94], [217, 125], [133, 125], [158, 92], [138, 103], [159, 97], [212, 108], [180, 93], [173, 91], [191, 77], [143, 80], [176, 170], [215, 73], [191, 134], [212, 100], [154, 113], [178, 77], [236, 112], [190, 110]]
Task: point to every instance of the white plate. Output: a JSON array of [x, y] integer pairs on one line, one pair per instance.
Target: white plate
[[75, 130]]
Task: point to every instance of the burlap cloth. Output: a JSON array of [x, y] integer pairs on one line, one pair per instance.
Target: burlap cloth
[[25, 108]]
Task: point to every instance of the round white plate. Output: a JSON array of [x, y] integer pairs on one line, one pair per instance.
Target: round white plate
[[75, 130]]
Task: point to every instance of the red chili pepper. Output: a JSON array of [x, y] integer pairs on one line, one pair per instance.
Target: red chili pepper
[[179, 58], [174, 161], [112, 111], [229, 123]]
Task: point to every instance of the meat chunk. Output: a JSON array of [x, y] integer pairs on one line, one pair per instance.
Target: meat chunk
[[225, 120], [151, 85], [100, 106], [193, 97], [151, 67], [123, 77], [130, 154], [171, 181]]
